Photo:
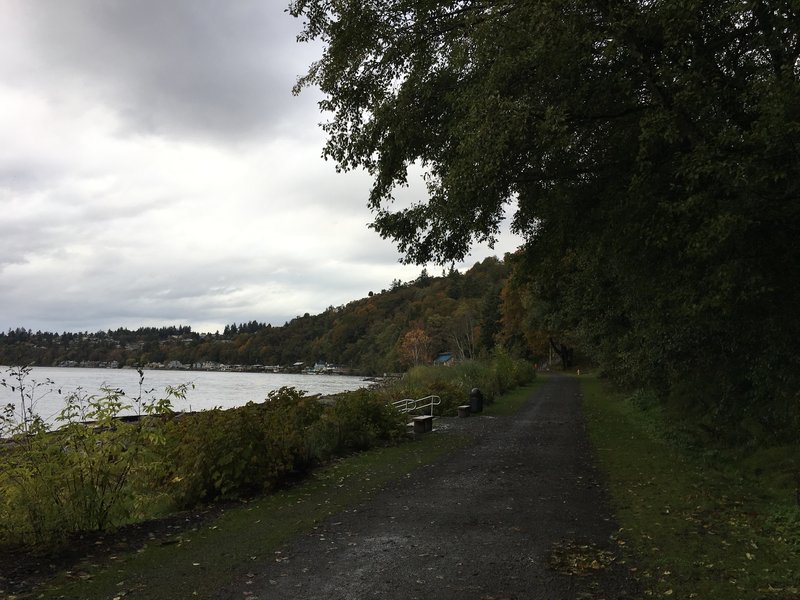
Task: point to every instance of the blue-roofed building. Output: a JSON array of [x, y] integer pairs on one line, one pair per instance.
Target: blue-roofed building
[[444, 359]]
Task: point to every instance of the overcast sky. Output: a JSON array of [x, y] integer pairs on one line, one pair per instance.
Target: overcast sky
[[155, 170]]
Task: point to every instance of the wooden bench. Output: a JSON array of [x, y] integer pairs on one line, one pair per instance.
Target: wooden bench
[[463, 410], [423, 424]]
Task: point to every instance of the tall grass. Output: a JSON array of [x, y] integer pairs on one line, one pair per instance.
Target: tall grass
[[453, 384]]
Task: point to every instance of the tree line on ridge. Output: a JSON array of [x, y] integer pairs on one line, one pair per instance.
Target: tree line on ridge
[[465, 314]]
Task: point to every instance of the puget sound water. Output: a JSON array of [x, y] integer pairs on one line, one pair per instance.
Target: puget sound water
[[211, 388]]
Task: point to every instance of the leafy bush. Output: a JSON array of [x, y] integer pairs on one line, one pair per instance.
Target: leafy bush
[[453, 384], [505, 373], [232, 453], [30, 502], [219, 454], [362, 419], [82, 475], [238, 452]]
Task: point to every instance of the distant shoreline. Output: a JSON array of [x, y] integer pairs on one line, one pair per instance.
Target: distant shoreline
[[298, 368]]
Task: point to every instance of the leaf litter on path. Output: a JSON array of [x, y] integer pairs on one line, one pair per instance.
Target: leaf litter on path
[[571, 558]]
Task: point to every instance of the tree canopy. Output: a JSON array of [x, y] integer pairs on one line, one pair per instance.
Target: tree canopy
[[648, 151]]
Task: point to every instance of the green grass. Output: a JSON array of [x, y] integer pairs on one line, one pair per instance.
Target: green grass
[[194, 563], [713, 524]]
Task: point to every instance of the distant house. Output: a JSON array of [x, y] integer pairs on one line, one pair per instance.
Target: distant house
[[445, 359]]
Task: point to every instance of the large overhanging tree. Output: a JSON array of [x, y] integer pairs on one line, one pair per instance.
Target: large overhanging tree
[[649, 152]]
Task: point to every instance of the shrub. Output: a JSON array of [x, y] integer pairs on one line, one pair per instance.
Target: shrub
[[80, 476], [362, 419], [233, 453], [291, 420], [453, 384], [238, 452], [30, 498]]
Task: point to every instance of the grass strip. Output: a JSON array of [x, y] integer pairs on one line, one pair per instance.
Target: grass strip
[[195, 563], [696, 525]]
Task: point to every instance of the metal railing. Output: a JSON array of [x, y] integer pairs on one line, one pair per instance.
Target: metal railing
[[408, 405]]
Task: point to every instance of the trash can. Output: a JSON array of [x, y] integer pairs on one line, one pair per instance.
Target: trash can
[[475, 401]]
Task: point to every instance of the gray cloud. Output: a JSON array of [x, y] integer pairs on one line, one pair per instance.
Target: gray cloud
[[183, 67], [156, 170]]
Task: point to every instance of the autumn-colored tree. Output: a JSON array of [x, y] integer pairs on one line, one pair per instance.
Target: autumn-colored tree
[[415, 347], [520, 333]]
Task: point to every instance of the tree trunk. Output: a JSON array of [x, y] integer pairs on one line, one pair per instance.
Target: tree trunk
[[566, 353]]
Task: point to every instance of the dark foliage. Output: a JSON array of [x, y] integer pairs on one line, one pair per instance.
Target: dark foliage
[[651, 151]]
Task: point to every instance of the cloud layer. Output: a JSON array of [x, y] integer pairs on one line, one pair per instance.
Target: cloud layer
[[157, 170]]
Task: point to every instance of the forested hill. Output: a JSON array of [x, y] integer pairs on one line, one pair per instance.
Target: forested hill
[[466, 314]]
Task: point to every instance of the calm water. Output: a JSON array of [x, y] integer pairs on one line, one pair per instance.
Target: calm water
[[211, 388]]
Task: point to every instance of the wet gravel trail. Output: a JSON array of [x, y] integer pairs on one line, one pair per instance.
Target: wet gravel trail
[[517, 514]]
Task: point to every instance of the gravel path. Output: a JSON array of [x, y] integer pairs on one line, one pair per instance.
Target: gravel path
[[517, 514]]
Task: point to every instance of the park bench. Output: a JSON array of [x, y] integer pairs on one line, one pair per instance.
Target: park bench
[[423, 423]]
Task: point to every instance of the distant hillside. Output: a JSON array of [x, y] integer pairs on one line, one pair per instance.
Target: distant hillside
[[412, 322]]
